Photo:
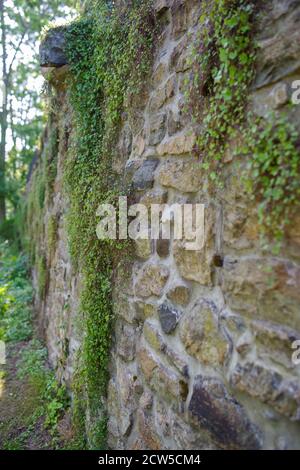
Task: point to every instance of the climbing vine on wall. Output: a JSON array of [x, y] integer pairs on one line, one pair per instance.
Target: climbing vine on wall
[[223, 59], [224, 67], [273, 173], [110, 53]]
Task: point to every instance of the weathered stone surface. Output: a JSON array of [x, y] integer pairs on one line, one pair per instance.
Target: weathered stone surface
[[126, 141], [171, 86], [160, 6], [169, 317], [179, 18], [247, 338], [154, 338], [144, 176], [138, 145], [145, 310], [160, 73], [154, 196], [158, 99], [214, 410], [146, 430], [272, 97], [279, 43], [264, 288], [143, 248], [163, 248], [166, 382], [124, 392], [280, 95], [177, 432], [52, 49], [151, 280], [175, 123], [120, 420], [193, 265], [178, 145], [124, 308], [274, 341], [157, 128], [244, 343], [179, 294], [185, 176], [131, 167], [56, 76], [200, 334], [180, 58], [125, 336], [270, 387]]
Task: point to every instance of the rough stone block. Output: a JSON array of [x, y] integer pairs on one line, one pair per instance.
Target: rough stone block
[[144, 176], [169, 317], [52, 49], [125, 336], [268, 289], [178, 145], [146, 430], [175, 122], [269, 387], [165, 381], [180, 61], [179, 18], [193, 265], [154, 338], [279, 43], [158, 99], [154, 196], [145, 310], [200, 334], [274, 342], [214, 410], [151, 280], [179, 294], [157, 128], [185, 176]]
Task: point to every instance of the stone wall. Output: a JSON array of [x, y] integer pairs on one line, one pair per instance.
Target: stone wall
[[58, 306], [201, 353]]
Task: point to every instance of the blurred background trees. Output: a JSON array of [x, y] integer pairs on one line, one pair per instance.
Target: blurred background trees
[[21, 108]]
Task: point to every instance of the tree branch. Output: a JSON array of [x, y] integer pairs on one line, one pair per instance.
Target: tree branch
[[15, 53]]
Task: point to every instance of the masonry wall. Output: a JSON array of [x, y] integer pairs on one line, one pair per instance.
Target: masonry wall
[[201, 353]]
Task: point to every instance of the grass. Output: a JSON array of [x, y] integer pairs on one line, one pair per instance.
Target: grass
[[33, 405]]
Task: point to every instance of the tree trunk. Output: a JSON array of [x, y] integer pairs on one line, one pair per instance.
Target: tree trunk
[[4, 116]]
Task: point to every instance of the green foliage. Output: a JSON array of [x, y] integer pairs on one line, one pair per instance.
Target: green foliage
[[52, 396], [15, 296], [223, 69], [33, 214], [110, 54], [273, 172], [22, 111], [223, 60], [50, 161], [52, 233]]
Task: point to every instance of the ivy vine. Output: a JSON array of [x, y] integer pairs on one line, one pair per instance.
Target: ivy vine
[[223, 61], [110, 52]]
